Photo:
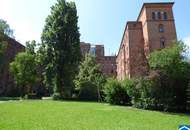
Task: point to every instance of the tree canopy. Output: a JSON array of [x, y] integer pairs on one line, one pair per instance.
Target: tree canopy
[[24, 68], [60, 38], [5, 28], [90, 80]]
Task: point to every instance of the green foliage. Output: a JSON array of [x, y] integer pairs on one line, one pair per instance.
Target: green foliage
[[169, 58], [130, 84], [90, 79], [116, 93], [165, 87], [60, 38], [24, 69], [46, 70], [88, 91], [30, 47], [174, 75], [144, 94], [5, 28]]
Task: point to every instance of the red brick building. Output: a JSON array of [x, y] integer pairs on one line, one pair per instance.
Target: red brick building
[[7, 85], [153, 30], [107, 63]]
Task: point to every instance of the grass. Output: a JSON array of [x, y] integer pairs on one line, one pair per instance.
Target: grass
[[57, 115]]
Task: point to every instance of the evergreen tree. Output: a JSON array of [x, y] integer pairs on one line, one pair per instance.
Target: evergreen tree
[[90, 79], [60, 38]]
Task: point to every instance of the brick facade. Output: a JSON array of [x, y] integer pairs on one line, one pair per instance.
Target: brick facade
[[107, 63], [153, 30], [7, 85]]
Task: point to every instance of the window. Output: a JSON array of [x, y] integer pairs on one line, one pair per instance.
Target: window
[[159, 15], [165, 16], [93, 51], [161, 28], [153, 15], [162, 42]]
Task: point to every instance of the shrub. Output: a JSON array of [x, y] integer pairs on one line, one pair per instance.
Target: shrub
[[116, 93], [88, 92], [130, 86], [57, 96], [173, 77], [144, 94], [156, 94]]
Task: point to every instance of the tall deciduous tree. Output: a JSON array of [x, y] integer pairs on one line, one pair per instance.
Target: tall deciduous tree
[[24, 68], [61, 40]]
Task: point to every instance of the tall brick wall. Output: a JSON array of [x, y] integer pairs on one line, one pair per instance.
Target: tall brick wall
[[107, 63], [131, 60], [7, 84], [153, 30], [137, 59], [150, 26]]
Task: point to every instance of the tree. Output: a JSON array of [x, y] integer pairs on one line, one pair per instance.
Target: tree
[[24, 68], [174, 74], [60, 38], [5, 28], [90, 79]]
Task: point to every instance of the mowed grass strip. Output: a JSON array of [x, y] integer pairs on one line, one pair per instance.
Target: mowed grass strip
[[58, 115]]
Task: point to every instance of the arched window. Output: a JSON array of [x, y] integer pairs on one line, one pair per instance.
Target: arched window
[[159, 15], [153, 15], [162, 42], [161, 28], [165, 16]]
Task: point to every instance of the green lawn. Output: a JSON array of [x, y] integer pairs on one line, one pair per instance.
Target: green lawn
[[56, 115]]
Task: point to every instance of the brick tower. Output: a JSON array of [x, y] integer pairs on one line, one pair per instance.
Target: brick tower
[[153, 30], [158, 26]]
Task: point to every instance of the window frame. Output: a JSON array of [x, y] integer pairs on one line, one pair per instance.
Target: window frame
[[165, 16], [161, 28], [153, 15], [159, 17]]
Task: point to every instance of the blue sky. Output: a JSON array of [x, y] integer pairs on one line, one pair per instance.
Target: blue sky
[[100, 21]]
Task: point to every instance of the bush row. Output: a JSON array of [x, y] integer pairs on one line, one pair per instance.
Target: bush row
[[146, 93]]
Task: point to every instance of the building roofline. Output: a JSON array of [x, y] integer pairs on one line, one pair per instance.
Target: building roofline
[[128, 22], [15, 41], [152, 3], [122, 39]]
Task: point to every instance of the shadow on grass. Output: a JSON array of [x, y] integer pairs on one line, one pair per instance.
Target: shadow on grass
[[9, 98]]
